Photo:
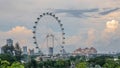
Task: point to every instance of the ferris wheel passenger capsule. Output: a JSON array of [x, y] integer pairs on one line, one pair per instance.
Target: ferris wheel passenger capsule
[[63, 33], [53, 15], [59, 21], [50, 13], [62, 28], [41, 16], [56, 17], [63, 37], [63, 42], [36, 47], [34, 26], [47, 13], [34, 37], [38, 18], [36, 22], [35, 42], [43, 13], [34, 32]]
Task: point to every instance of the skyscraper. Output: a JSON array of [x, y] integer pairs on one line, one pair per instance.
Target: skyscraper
[[31, 52], [0, 50], [8, 48], [9, 42], [24, 49]]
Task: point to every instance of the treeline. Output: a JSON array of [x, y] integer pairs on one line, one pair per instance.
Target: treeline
[[99, 62], [11, 60], [6, 64], [48, 64]]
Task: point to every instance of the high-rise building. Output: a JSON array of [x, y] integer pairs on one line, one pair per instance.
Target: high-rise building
[[9, 49], [31, 52], [9, 42], [51, 51], [25, 50], [0, 50]]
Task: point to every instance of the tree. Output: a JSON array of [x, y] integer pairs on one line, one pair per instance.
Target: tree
[[16, 65], [32, 64], [110, 63], [67, 63], [6, 64], [72, 58], [7, 57], [49, 63], [101, 60], [81, 65], [8, 49], [41, 64], [60, 63], [18, 51]]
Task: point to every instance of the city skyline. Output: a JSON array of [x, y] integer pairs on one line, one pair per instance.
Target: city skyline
[[87, 23]]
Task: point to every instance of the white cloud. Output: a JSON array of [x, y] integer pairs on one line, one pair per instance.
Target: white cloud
[[25, 12], [19, 34], [73, 40], [91, 37], [111, 31], [111, 26], [95, 37]]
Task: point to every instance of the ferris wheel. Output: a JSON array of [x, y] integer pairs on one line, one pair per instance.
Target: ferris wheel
[[45, 30]]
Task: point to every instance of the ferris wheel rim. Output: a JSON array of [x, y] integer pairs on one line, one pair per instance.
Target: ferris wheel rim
[[58, 21]]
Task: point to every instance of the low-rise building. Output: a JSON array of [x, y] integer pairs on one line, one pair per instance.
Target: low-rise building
[[85, 51]]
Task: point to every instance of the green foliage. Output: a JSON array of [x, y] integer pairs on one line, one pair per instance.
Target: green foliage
[[80, 62], [32, 64], [60, 63], [72, 58], [7, 57], [18, 52], [6, 64], [49, 64], [110, 63], [8, 49], [99, 60], [81, 65], [11, 53], [16, 65], [41, 64]]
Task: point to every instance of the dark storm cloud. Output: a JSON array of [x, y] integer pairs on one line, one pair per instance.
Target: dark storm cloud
[[76, 13], [108, 11]]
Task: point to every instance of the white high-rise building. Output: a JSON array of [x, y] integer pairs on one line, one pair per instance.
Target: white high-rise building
[[25, 50], [9, 42], [0, 50]]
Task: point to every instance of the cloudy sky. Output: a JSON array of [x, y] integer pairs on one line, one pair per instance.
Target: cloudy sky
[[87, 23]]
